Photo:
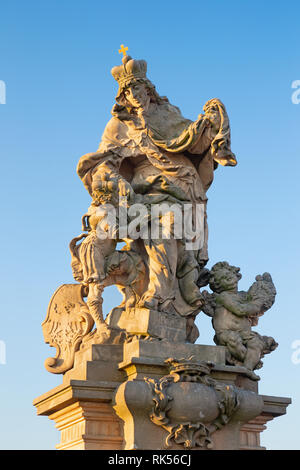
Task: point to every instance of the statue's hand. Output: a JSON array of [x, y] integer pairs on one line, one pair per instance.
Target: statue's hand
[[212, 113], [126, 191]]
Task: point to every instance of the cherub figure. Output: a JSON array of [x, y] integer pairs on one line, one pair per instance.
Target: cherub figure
[[234, 313], [89, 259], [96, 264]]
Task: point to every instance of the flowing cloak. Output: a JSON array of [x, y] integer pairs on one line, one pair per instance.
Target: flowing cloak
[[169, 142]]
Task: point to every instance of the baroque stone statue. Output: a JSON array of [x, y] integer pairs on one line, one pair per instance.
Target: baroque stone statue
[[148, 182], [150, 154], [133, 378]]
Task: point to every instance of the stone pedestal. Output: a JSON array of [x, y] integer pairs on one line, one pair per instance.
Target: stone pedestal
[[145, 322], [106, 399]]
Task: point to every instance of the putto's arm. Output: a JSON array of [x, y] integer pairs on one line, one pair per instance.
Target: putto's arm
[[238, 304]]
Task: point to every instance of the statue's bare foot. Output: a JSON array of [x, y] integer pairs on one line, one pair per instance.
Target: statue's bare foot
[[252, 375], [105, 334], [102, 333]]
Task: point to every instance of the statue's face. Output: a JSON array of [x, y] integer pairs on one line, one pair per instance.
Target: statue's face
[[137, 95], [225, 279]]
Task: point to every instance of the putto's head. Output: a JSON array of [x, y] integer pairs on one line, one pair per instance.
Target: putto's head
[[224, 277]]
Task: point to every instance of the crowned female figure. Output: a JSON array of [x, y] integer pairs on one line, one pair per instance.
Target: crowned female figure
[[154, 155]]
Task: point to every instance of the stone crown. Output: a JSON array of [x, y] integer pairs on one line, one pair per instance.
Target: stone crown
[[130, 71]]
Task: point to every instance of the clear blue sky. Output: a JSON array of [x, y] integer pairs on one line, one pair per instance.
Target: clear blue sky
[[55, 58]]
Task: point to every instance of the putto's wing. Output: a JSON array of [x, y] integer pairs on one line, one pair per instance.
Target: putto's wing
[[263, 292], [209, 303]]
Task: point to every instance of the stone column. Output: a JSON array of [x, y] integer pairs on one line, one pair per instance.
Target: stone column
[[83, 414]]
